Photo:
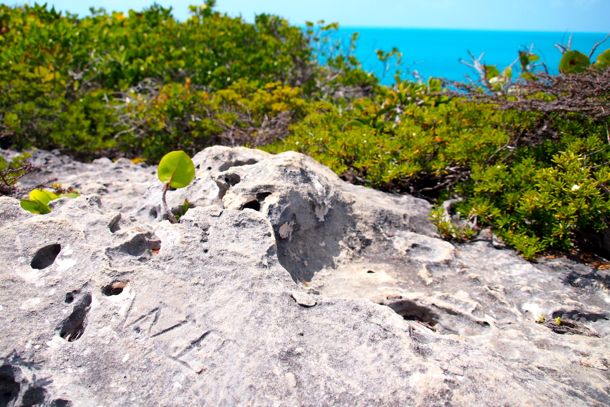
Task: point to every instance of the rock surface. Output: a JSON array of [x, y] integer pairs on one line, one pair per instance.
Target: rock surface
[[281, 286]]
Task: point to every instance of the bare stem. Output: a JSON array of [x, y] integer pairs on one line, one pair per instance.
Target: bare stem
[[170, 215], [597, 44]]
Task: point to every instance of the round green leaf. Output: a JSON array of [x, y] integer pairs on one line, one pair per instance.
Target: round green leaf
[[177, 169], [603, 60], [573, 62]]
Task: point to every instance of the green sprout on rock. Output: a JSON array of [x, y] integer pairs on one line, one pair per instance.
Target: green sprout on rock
[[39, 199], [176, 170]]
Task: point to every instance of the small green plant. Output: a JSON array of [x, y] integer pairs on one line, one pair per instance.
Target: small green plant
[[557, 321], [39, 199], [11, 171], [449, 230], [541, 319], [176, 170], [182, 209]]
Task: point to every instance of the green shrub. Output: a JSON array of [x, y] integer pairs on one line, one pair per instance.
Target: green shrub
[[11, 171], [407, 139], [177, 115]]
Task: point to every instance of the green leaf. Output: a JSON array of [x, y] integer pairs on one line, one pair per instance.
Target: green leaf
[[38, 203], [42, 196], [603, 60], [491, 71], [35, 207], [524, 59], [573, 62], [177, 169]]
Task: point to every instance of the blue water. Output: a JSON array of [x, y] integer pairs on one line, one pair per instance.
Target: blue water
[[437, 53]]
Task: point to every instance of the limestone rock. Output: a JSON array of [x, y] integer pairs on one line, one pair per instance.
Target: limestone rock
[[282, 286]]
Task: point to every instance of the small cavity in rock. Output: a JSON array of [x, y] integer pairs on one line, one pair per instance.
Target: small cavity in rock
[[45, 256], [114, 225], [114, 288], [73, 327], [255, 205], [232, 179], [411, 311]]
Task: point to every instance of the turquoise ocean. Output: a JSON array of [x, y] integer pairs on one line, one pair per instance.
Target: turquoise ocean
[[437, 52]]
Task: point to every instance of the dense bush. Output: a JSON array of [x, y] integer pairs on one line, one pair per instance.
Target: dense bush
[[179, 116], [527, 155], [65, 82]]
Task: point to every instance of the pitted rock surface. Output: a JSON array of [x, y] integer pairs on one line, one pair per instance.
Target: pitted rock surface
[[283, 286]]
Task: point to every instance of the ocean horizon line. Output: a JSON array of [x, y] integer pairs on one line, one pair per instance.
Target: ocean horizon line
[[397, 28]]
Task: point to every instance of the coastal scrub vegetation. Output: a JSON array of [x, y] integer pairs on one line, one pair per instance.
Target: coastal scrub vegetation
[[520, 151]]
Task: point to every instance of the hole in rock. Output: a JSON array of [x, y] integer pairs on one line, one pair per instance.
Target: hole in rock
[[154, 246], [114, 225], [61, 403], [45, 256], [153, 213], [139, 245], [236, 163], [255, 205], [261, 196], [114, 288], [579, 315], [34, 396], [205, 250], [589, 280], [232, 179], [411, 311], [69, 298], [370, 272], [73, 327], [9, 384]]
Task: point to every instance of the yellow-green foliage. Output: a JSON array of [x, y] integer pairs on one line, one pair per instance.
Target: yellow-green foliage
[[65, 81], [180, 116], [539, 204], [404, 138]]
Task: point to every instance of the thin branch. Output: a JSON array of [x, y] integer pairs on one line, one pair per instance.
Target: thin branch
[[597, 44]]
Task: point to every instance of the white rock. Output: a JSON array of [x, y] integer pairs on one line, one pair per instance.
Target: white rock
[[213, 310]]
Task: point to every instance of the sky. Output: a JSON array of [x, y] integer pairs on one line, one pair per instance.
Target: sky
[[527, 15]]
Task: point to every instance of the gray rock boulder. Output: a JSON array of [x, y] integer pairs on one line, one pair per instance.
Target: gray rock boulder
[[281, 286]]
